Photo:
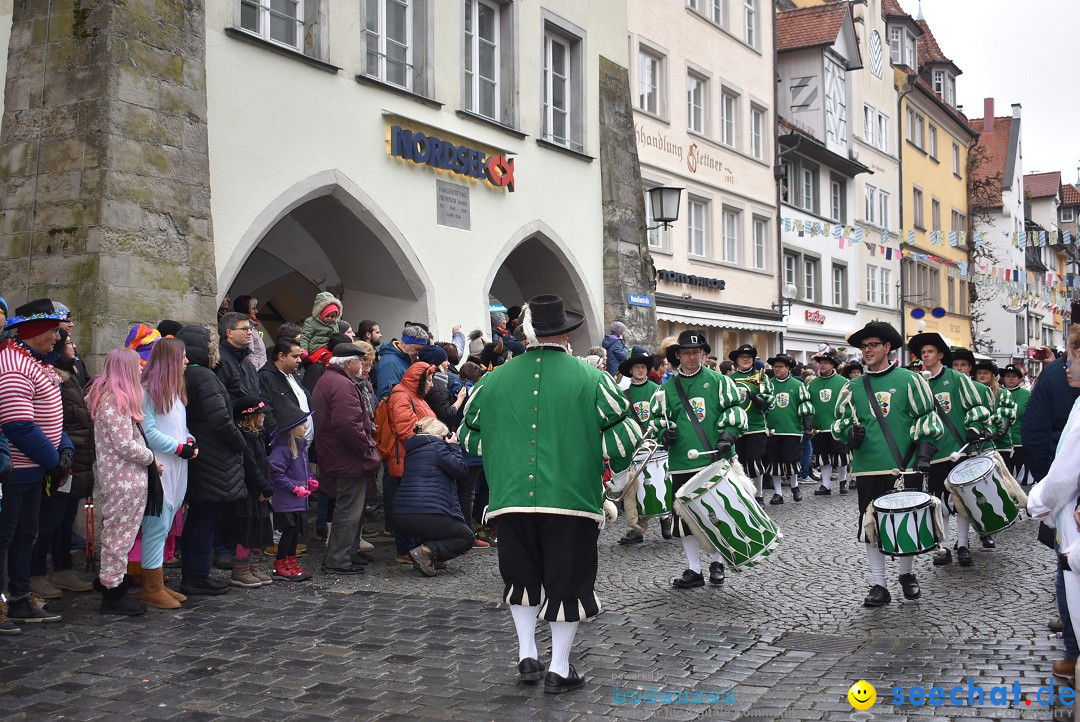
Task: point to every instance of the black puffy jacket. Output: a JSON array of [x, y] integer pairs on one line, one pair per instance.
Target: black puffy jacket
[[217, 473], [237, 372], [429, 484], [79, 428]]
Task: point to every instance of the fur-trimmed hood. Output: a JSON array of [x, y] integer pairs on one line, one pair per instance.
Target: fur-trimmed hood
[[323, 300]]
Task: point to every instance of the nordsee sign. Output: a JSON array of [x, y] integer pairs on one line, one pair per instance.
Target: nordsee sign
[[425, 149], [639, 299]]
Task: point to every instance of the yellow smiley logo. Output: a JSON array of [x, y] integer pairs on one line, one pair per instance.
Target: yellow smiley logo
[[862, 695]]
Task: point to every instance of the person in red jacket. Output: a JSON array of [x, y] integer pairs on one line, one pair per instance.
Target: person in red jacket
[[406, 406]]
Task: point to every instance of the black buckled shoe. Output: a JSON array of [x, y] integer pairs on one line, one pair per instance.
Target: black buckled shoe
[[531, 670], [776, 499], [963, 557], [760, 500], [988, 541], [688, 580], [665, 526], [843, 486], [796, 494], [632, 537], [554, 684], [910, 585], [823, 491], [943, 559], [878, 597], [716, 573]]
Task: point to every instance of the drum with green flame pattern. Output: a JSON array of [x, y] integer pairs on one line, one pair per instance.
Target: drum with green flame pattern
[[905, 523]]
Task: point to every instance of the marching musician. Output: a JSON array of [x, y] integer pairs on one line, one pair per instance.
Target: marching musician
[[714, 401], [1011, 376], [639, 394], [829, 453], [544, 467], [1003, 413], [755, 395], [790, 416], [965, 417], [888, 418]]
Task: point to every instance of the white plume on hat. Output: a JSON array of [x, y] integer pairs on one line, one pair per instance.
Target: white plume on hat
[[527, 327]]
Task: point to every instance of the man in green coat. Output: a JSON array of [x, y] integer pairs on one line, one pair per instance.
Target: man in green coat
[[639, 394], [790, 416], [714, 401], [1011, 376], [755, 395], [1003, 414], [963, 413], [829, 453], [906, 406], [544, 422]]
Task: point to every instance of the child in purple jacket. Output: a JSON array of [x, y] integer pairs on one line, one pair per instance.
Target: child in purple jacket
[[292, 487]]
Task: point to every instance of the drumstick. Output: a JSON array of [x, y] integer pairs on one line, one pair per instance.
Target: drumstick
[[694, 453]]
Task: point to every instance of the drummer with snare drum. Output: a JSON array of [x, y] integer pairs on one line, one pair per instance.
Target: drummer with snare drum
[[696, 402], [639, 394], [965, 417], [888, 418]]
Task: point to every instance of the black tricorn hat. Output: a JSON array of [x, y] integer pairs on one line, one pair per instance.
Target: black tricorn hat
[[634, 360], [1012, 369], [549, 318], [784, 359], [847, 368], [921, 340], [744, 349], [687, 339], [877, 329], [830, 356], [986, 365]]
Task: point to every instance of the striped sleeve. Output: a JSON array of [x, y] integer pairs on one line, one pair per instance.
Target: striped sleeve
[[768, 391], [806, 407], [470, 425], [926, 425], [845, 414], [733, 418], [658, 413], [976, 413], [1004, 413], [620, 433]]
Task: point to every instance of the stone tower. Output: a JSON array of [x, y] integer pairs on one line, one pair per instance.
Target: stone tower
[[104, 171]]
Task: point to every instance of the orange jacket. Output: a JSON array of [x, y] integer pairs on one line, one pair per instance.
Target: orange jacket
[[406, 407]]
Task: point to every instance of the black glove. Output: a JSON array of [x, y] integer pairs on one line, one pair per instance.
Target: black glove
[[760, 402], [188, 449], [1005, 424], [858, 433], [808, 425], [923, 456], [725, 442], [66, 458], [669, 437], [973, 437]]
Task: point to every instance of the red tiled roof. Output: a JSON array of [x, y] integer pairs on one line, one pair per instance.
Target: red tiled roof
[[953, 112], [809, 27], [892, 9], [929, 50], [1041, 185], [995, 146], [1070, 195]]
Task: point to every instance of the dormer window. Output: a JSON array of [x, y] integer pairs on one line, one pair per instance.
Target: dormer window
[[945, 86], [902, 46]]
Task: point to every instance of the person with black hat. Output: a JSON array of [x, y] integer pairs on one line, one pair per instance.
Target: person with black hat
[[755, 396], [1011, 376], [960, 406], [639, 393], [32, 419], [852, 370], [789, 418], [545, 480], [829, 453], [1003, 413], [888, 418], [696, 401], [963, 361], [248, 519], [293, 484]]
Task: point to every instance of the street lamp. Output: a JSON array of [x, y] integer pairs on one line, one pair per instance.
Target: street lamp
[[664, 206], [788, 298]]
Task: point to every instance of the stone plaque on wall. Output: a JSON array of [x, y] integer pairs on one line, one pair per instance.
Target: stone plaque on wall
[[452, 202]]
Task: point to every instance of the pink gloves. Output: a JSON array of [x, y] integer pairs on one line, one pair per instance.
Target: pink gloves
[[301, 492], [312, 483]]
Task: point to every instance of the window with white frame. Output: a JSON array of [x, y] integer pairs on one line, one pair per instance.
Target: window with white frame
[[761, 244], [902, 46], [696, 102], [750, 16], [886, 287], [935, 214], [1068, 214], [389, 42], [917, 206], [791, 270], [950, 285], [698, 228], [757, 132], [932, 138], [839, 286], [883, 209], [959, 221], [922, 281], [482, 58], [1021, 330], [279, 21], [650, 80], [810, 279], [869, 125], [872, 284], [945, 86], [808, 188], [564, 120], [730, 249], [915, 127], [729, 118], [870, 211], [883, 132], [717, 11], [955, 159], [658, 237], [838, 199], [787, 178]]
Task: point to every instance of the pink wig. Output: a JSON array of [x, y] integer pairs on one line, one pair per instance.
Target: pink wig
[[163, 375], [119, 383]]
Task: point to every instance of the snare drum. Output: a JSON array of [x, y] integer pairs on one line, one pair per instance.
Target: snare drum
[[906, 524], [978, 483], [720, 511], [654, 487]]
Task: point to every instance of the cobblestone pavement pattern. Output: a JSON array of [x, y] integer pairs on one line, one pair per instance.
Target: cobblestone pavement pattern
[[789, 637]]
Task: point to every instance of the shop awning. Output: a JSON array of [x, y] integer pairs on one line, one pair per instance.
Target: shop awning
[[718, 320]]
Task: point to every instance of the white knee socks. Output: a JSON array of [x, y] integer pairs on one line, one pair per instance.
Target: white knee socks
[[946, 518], [963, 526], [826, 475], [759, 480], [877, 565], [841, 473], [776, 486], [717, 557], [525, 623], [692, 546], [562, 638], [906, 564]]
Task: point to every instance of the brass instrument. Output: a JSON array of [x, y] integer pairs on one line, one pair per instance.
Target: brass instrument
[[753, 382], [622, 483]]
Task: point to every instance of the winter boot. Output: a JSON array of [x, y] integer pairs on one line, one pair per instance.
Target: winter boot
[[115, 601], [253, 564], [153, 593], [295, 566], [242, 577], [282, 570], [135, 571]]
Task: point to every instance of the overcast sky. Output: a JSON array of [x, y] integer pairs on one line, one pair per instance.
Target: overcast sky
[[1017, 52]]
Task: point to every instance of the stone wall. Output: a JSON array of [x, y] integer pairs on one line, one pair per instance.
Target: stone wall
[[628, 267], [104, 171]]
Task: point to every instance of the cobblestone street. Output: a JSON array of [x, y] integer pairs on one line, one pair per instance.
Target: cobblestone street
[[788, 638]]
